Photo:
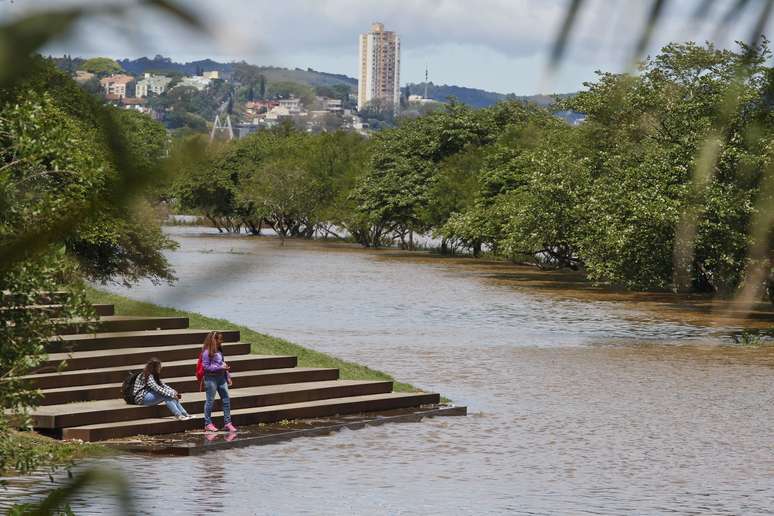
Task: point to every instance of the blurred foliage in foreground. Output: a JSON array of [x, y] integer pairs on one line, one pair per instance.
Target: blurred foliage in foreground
[[74, 178], [57, 181]]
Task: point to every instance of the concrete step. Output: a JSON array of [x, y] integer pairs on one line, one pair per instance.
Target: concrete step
[[132, 339], [187, 384], [171, 369], [55, 310], [114, 410], [254, 415], [118, 323], [136, 357]]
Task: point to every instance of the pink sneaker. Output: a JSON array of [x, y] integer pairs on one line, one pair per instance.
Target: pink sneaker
[[210, 428], [230, 427]]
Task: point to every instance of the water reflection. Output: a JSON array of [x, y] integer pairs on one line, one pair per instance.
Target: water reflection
[[581, 401]]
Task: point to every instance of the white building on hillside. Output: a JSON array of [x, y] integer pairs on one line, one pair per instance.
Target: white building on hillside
[[292, 104], [195, 81], [330, 105], [151, 84]]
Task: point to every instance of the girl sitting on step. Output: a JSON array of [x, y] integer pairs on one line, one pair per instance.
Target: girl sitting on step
[[150, 390], [216, 378]]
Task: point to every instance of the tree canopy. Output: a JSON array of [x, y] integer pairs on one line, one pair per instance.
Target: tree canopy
[[615, 197], [101, 66]]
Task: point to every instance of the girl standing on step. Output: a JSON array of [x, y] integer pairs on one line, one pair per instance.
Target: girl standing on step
[[216, 378], [150, 390]]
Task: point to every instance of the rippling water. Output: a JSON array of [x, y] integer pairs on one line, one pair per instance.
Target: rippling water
[[581, 402]]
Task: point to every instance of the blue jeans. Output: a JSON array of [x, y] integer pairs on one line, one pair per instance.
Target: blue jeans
[[217, 383], [173, 404]]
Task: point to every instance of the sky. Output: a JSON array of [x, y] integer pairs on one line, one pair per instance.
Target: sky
[[496, 45]]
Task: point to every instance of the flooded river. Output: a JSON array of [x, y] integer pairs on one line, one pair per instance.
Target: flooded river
[[581, 401]]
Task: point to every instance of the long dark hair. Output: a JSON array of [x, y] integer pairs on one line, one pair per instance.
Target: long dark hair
[[153, 367]]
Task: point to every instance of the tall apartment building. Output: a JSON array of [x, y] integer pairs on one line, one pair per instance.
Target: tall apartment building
[[379, 76]]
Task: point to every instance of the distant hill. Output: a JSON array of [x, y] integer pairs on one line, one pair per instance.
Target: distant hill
[[471, 96], [161, 64], [475, 97]]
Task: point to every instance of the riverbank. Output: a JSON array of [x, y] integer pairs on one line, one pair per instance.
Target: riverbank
[[35, 451], [260, 343]]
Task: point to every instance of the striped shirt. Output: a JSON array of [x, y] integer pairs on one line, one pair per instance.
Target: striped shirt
[[140, 388]]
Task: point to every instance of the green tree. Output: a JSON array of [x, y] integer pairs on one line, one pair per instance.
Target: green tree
[[101, 66], [63, 161], [648, 133], [285, 89]]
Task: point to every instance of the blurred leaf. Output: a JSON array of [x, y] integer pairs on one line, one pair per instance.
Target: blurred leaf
[[731, 15], [760, 23], [560, 44], [654, 15], [761, 254], [703, 9], [178, 12], [20, 39], [734, 12], [56, 501]]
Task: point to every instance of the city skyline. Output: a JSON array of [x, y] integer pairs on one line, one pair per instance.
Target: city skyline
[[501, 46]]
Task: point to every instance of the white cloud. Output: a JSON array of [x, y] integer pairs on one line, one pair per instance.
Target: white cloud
[[499, 45]]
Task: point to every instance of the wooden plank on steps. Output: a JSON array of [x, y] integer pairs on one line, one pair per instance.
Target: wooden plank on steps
[[132, 339], [255, 415], [56, 310], [187, 384], [108, 411], [102, 358], [170, 369], [120, 323]]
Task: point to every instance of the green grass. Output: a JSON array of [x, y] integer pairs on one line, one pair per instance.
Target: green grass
[[32, 451], [261, 344]]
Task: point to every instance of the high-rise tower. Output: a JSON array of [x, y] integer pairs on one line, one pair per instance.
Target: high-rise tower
[[379, 76]]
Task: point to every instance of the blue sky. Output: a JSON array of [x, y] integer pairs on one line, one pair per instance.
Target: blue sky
[[499, 45]]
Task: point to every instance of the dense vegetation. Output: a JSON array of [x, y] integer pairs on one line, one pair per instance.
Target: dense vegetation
[[74, 175], [616, 196]]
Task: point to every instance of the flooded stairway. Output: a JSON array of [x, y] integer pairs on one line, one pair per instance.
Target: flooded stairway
[[83, 400]]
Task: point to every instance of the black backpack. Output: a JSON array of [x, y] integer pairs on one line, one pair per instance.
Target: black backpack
[[128, 387]]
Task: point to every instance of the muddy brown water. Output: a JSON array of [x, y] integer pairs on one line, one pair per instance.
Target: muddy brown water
[[581, 400]]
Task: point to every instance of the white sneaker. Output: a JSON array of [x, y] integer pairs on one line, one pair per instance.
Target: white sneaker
[[182, 417]]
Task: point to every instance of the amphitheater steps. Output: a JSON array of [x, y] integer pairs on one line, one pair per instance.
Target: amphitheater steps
[[82, 378], [185, 384], [114, 410]]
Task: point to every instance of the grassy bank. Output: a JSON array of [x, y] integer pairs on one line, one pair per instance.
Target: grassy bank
[[32, 451], [261, 343]]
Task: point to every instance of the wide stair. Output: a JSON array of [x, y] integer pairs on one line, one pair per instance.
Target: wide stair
[[83, 400]]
